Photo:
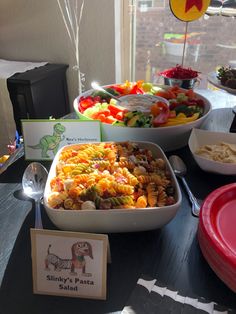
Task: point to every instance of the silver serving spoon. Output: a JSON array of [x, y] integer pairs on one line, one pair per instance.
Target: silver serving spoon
[[233, 123], [180, 170], [96, 86], [33, 182]]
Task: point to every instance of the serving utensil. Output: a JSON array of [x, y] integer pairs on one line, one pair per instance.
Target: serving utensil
[[233, 124], [180, 171], [96, 86], [33, 182]]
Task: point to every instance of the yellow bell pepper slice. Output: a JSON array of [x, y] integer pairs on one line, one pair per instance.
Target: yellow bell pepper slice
[[181, 119]]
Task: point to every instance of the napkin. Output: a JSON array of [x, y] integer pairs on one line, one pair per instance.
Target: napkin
[[7, 123], [151, 297]]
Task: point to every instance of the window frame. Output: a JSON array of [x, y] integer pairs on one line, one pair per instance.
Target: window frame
[[124, 37]]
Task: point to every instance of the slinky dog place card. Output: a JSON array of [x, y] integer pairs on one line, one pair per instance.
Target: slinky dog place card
[[69, 264], [43, 138]]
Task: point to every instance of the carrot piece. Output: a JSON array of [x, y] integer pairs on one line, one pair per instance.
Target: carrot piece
[[110, 119], [102, 117]]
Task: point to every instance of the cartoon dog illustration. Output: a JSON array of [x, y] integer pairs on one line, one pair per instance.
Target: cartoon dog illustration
[[50, 142], [79, 251]]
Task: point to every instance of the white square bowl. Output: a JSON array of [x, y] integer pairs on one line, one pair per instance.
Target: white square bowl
[[114, 220], [199, 137]]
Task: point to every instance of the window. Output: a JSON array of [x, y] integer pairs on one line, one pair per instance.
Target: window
[[145, 4], [157, 41]]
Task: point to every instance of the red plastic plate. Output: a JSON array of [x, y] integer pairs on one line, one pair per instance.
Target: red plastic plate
[[217, 232], [218, 220]]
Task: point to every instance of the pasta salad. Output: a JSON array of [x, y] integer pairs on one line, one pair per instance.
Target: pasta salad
[[104, 176]]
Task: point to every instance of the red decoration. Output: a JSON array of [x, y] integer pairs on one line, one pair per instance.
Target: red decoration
[[191, 3]]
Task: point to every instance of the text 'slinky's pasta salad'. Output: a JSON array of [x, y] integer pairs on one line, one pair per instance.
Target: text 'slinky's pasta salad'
[[108, 176]]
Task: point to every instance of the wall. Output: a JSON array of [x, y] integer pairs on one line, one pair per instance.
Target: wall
[[33, 30]]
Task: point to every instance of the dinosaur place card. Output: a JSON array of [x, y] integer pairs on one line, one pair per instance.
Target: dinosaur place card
[[43, 138], [70, 264]]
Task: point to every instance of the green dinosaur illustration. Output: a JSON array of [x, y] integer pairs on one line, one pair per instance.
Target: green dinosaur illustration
[[50, 142]]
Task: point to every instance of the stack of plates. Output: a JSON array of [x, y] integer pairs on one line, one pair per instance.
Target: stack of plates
[[217, 235]]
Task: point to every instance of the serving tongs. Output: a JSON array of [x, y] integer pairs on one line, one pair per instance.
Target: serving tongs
[[233, 124]]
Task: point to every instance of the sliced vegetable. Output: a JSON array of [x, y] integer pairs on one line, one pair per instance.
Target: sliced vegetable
[[86, 103], [147, 87], [155, 110], [114, 109], [163, 116], [181, 119], [136, 119], [137, 88], [184, 106], [167, 94], [110, 119], [120, 115]]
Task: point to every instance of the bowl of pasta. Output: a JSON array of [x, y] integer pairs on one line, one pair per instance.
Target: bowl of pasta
[[111, 187], [167, 122]]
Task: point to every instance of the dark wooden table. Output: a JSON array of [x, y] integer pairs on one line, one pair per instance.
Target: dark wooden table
[[170, 254]]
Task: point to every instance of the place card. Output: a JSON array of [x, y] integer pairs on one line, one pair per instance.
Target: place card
[[70, 264], [43, 138]]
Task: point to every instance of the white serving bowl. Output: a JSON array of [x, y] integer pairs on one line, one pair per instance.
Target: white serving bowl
[[200, 138], [168, 138], [113, 220]]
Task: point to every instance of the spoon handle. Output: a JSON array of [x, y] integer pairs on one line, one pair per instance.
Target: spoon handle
[[112, 96], [193, 200], [96, 86], [38, 219]]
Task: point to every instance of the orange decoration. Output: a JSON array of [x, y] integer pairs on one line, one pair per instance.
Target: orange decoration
[[189, 10]]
